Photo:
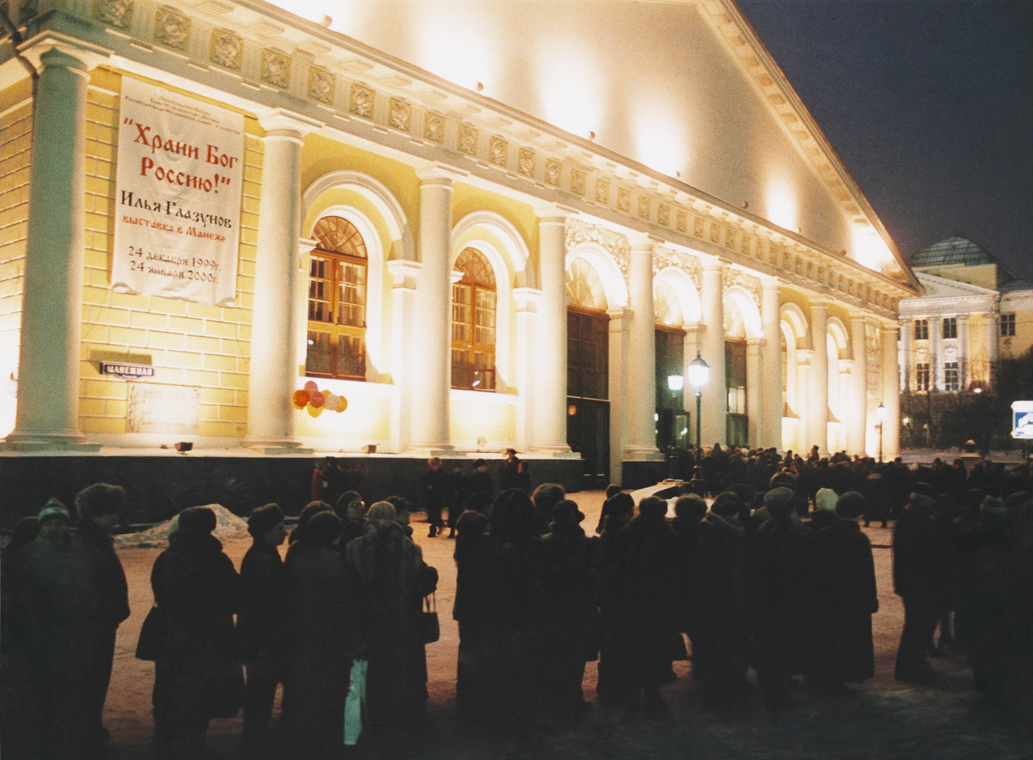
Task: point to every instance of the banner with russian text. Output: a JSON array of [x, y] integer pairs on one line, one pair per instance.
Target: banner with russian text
[[177, 196]]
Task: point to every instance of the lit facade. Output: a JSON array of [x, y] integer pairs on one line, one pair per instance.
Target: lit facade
[[472, 223], [973, 313]]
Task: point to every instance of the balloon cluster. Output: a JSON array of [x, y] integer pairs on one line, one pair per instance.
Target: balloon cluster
[[316, 400]]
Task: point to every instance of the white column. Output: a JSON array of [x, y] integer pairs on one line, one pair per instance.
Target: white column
[[693, 335], [404, 275], [549, 431], [964, 356], [620, 323], [936, 353], [907, 334], [858, 429], [771, 361], [641, 370], [754, 405], [715, 394], [804, 359], [993, 339], [47, 414], [818, 403], [527, 368], [432, 323], [890, 393], [279, 285]]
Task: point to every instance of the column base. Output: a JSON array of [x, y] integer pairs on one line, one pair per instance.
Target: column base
[[559, 451], [55, 442], [432, 450], [276, 446], [643, 454]]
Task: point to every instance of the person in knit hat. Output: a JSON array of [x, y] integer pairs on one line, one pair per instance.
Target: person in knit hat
[[58, 600], [824, 509], [100, 509], [262, 623]]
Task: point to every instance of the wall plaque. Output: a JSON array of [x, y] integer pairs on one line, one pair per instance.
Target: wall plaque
[[164, 409]]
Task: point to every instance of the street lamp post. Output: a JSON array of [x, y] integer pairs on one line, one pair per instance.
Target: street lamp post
[[699, 374], [881, 412]]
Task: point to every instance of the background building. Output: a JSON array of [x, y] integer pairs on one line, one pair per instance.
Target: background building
[[516, 250], [973, 316]]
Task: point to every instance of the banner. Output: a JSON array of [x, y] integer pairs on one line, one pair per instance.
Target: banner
[[177, 196]]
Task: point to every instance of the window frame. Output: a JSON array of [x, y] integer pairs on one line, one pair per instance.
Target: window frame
[[950, 328], [951, 376], [921, 329], [466, 375], [334, 330], [1008, 325]]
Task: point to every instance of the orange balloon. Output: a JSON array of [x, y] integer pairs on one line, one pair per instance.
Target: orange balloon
[[300, 399], [342, 404], [315, 411]]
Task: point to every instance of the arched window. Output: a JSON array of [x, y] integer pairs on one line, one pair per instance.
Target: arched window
[[337, 301], [473, 323]]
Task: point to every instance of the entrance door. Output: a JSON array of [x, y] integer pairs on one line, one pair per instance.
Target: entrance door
[[588, 408], [588, 433]]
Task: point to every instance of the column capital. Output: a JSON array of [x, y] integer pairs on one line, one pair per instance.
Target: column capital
[[804, 356], [51, 48], [553, 213], [526, 298], [439, 174], [403, 273], [620, 314], [278, 122]]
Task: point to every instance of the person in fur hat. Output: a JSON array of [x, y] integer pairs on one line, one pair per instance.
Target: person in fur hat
[[100, 508], [563, 563], [390, 580], [262, 623], [920, 578], [197, 587], [845, 598], [720, 638], [780, 598]]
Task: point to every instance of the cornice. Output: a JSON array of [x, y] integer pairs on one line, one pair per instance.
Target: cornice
[[767, 78], [258, 58]]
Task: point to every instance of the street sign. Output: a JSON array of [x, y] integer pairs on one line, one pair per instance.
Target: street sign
[[1022, 420]]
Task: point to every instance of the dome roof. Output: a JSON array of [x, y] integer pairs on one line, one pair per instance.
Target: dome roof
[[953, 250]]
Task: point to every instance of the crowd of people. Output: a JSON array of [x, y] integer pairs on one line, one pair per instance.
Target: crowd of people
[[764, 566]]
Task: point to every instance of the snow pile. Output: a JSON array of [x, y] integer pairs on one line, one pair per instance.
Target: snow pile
[[227, 526]]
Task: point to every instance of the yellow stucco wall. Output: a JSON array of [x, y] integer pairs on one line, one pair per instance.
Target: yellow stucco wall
[[189, 344], [15, 159]]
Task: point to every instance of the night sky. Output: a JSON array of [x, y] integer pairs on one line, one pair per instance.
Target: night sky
[[930, 105]]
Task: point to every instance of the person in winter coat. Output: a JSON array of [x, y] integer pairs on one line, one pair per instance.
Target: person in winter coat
[[469, 610], [437, 488], [720, 633], [351, 511], [995, 600], [100, 508], [563, 563], [689, 511], [845, 598], [262, 624], [321, 614], [390, 580], [614, 684], [59, 605], [921, 578], [780, 598], [19, 693], [198, 674], [648, 614], [504, 653]]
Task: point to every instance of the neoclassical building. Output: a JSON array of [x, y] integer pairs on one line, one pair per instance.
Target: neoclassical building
[[972, 314], [429, 227]]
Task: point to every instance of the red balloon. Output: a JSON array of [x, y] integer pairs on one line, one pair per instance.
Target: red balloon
[[311, 386], [317, 400], [300, 399]]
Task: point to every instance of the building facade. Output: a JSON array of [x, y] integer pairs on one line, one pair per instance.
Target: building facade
[[972, 315], [425, 263]]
